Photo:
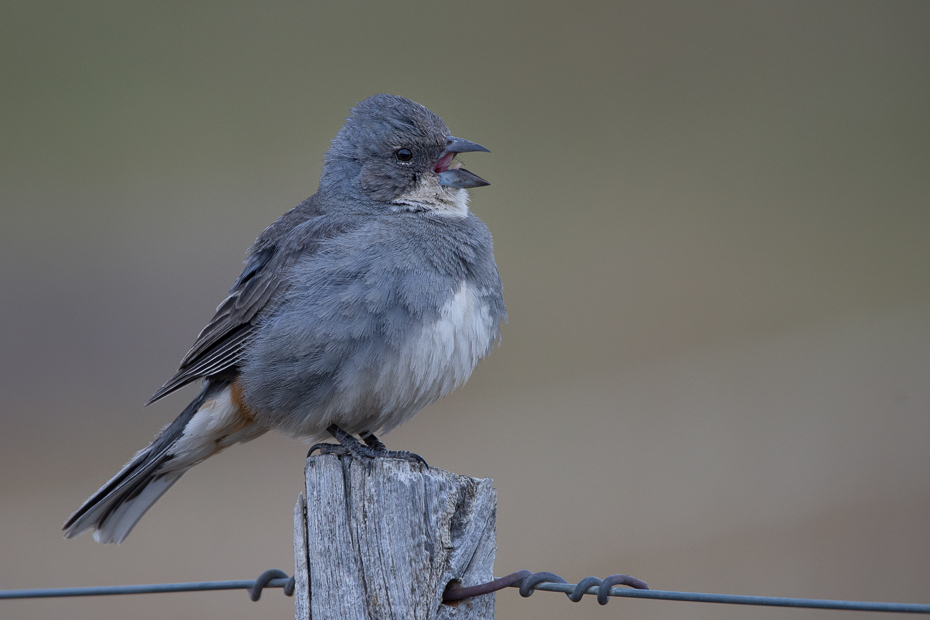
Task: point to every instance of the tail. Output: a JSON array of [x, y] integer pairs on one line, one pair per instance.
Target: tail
[[211, 423]]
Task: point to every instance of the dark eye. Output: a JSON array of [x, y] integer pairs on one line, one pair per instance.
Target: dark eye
[[403, 154]]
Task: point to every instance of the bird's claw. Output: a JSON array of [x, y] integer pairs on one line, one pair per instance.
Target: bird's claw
[[328, 448]]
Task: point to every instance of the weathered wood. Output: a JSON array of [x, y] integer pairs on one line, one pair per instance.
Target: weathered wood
[[301, 561], [382, 538]]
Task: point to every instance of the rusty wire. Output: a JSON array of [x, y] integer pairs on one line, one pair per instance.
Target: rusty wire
[[527, 582]]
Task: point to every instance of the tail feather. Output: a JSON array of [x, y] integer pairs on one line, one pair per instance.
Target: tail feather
[[124, 515], [116, 508], [119, 504]]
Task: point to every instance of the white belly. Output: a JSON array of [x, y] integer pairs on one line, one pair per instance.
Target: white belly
[[436, 360]]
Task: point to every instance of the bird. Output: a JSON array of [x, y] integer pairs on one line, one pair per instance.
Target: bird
[[356, 309]]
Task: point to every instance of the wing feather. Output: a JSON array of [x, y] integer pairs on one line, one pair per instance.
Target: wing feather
[[220, 346]]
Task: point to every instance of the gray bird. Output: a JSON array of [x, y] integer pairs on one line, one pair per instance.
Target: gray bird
[[357, 308]]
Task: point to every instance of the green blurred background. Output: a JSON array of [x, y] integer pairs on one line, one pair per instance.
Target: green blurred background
[[713, 225]]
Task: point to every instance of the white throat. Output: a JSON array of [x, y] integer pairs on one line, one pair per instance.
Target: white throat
[[429, 195]]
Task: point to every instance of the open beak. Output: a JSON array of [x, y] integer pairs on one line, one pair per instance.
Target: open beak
[[457, 176]]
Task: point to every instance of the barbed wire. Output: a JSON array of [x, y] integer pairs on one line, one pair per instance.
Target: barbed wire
[[526, 581]]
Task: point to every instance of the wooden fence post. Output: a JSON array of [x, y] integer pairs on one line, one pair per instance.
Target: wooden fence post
[[381, 539]]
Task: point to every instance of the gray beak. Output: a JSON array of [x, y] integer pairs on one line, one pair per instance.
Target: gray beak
[[461, 178], [458, 145]]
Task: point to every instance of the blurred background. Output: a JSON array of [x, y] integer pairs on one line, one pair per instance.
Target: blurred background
[[713, 225]]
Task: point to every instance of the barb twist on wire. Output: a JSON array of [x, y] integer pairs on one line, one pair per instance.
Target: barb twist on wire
[[528, 582]]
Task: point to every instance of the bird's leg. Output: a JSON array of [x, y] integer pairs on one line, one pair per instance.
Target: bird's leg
[[372, 442], [347, 446], [373, 449]]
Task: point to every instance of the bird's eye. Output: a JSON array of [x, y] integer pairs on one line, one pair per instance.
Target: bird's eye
[[403, 154]]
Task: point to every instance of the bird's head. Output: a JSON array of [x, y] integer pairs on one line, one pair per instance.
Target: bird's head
[[396, 151]]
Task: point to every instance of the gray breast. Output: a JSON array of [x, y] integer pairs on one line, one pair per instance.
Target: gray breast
[[379, 323]]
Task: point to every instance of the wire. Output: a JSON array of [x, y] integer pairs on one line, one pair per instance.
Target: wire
[[735, 599], [526, 581], [269, 579]]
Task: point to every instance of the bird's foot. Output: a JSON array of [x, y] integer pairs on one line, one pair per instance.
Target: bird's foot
[[373, 448]]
